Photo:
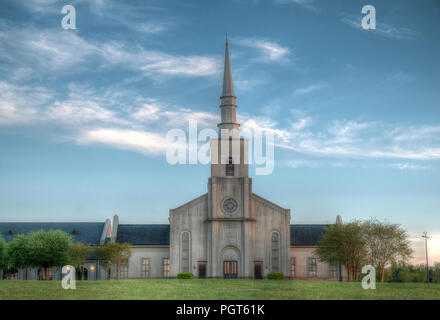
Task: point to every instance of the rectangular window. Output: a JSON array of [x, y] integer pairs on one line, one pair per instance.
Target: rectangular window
[[230, 167], [166, 268], [123, 271], [311, 267], [292, 267], [333, 270], [145, 268]]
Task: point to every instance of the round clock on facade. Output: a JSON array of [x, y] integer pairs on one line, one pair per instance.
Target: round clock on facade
[[230, 205]]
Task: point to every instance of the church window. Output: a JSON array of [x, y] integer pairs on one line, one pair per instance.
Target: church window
[[230, 168], [123, 271], [185, 251], [166, 267], [311, 267], [145, 267], [275, 251], [292, 267]]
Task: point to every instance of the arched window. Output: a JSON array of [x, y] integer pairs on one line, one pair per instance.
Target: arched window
[[275, 251], [185, 247]]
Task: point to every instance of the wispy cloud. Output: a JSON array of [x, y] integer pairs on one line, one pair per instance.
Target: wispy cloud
[[308, 4], [139, 141], [364, 140], [309, 89], [53, 50], [382, 29], [408, 166], [269, 51]]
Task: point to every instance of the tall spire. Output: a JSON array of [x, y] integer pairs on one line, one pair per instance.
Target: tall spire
[[228, 106], [228, 86]]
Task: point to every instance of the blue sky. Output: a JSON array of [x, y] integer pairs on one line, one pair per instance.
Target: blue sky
[[84, 113]]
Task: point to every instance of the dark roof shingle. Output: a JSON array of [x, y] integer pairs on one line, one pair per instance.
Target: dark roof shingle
[[306, 234], [144, 234], [85, 232]]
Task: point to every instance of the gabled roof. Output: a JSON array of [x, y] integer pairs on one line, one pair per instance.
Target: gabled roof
[[144, 234], [85, 232], [306, 234]]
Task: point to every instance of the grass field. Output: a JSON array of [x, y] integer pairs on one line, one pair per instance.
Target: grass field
[[171, 289]]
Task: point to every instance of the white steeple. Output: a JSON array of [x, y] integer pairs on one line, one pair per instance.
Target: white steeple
[[228, 106]]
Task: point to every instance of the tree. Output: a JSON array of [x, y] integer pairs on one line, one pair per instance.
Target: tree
[[49, 249], [104, 257], [78, 254], [344, 243], [386, 244], [19, 252], [114, 254], [3, 254]]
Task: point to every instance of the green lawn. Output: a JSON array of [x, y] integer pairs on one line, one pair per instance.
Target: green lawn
[[169, 289]]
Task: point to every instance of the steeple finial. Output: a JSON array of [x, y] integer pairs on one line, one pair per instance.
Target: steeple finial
[[228, 87], [228, 106]]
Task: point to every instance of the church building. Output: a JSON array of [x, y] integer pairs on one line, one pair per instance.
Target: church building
[[228, 232]]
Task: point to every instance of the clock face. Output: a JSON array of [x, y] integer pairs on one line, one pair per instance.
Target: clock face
[[230, 205]]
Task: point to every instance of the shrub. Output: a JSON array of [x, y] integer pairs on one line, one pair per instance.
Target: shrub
[[275, 275], [185, 275]]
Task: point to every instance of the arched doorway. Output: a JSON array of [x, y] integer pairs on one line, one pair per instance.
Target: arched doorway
[[78, 274], [231, 263]]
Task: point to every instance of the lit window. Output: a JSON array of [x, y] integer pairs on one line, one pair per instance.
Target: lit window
[[311, 267], [166, 268], [145, 267]]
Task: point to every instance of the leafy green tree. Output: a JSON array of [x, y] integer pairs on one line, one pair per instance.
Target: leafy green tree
[[114, 254], [19, 252], [49, 249], [78, 254], [3, 254], [345, 244], [386, 243]]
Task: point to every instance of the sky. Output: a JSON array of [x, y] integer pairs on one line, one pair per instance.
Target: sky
[[84, 113]]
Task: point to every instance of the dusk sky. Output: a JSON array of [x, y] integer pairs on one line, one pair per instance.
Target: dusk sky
[[356, 113]]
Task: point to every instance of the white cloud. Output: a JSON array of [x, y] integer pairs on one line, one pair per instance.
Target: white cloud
[[382, 29], [139, 141], [309, 89], [19, 104], [364, 140], [408, 166], [52, 50], [308, 4], [269, 51]]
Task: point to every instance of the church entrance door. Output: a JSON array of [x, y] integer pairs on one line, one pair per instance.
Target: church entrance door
[[258, 270], [230, 270], [202, 270]]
